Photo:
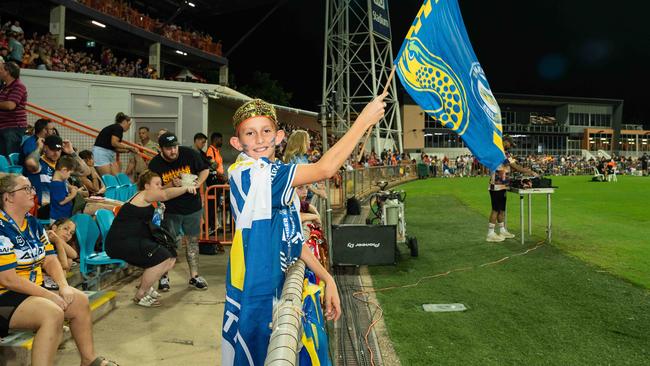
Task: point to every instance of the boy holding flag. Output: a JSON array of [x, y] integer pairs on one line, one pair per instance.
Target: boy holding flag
[[268, 237]]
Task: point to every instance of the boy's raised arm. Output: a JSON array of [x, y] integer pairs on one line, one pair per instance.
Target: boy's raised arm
[[334, 158]]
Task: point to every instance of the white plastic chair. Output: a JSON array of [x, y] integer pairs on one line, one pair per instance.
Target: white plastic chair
[[598, 176]]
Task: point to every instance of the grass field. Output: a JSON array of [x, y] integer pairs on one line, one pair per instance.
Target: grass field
[[582, 301]]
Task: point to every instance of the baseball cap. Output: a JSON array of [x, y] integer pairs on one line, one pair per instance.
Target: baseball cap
[[54, 142], [168, 139]]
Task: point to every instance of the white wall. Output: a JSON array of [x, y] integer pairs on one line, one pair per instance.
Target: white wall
[[96, 99]]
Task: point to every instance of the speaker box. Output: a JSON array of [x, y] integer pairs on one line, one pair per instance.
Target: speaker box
[[364, 244]]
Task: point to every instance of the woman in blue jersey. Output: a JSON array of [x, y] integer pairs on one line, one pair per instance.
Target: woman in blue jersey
[[25, 251]]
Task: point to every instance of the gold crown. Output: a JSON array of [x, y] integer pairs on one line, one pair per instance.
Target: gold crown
[[254, 108]]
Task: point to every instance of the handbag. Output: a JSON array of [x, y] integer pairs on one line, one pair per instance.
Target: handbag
[[163, 237]]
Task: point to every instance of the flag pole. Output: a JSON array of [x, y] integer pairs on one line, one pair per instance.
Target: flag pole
[[365, 141]]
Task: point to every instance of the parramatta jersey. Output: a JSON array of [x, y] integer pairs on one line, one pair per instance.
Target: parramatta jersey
[[268, 239], [41, 180], [24, 250]]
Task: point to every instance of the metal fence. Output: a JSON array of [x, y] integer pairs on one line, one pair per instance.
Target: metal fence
[[360, 182]]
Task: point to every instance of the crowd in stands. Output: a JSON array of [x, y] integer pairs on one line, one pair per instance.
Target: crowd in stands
[[469, 166], [40, 51], [122, 10]]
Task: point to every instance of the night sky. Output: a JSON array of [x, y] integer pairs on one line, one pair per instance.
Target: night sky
[[583, 48]]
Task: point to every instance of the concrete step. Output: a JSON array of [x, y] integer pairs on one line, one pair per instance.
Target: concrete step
[[15, 349]]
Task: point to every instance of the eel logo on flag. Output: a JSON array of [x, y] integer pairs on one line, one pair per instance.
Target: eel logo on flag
[[439, 70], [427, 73]]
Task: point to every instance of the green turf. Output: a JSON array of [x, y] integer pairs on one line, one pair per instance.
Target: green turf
[[588, 307]]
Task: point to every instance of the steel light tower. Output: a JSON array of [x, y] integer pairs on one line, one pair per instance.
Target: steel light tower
[[357, 61]]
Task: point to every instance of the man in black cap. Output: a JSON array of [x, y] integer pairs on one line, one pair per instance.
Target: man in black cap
[[183, 212], [499, 183], [39, 166]]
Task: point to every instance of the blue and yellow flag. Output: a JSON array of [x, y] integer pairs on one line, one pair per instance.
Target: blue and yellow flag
[[314, 351], [439, 70]]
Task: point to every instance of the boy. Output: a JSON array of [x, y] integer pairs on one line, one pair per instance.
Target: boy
[[268, 236], [62, 194]]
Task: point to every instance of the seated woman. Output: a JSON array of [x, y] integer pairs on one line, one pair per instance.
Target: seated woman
[[25, 252], [60, 235], [130, 238]]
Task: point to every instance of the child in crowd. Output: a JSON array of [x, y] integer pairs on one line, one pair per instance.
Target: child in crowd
[[60, 234], [308, 212], [61, 193], [268, 236], [92, 182]]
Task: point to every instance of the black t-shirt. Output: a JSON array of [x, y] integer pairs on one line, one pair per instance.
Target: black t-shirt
[[188, 162], [105, 135]]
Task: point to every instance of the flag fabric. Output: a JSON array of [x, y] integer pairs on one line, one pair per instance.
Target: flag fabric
[[267, 240], [440, 71], [314, 351]]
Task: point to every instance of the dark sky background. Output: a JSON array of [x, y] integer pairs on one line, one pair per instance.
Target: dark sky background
[[584, 48]]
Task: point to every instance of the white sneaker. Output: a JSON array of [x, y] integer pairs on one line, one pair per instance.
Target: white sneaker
[[494, 238], [506, 234], [153, 293], [49, 283]]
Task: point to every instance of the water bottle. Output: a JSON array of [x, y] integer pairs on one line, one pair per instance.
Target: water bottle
[[158, 214]]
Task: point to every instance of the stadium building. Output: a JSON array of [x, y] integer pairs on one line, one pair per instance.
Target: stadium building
[[539, 124]]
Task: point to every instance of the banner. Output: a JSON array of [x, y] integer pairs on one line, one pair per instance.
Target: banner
[[439, 70]]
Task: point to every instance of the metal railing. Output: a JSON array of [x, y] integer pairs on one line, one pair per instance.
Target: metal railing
[[284, 345], [81, 135], [217, 224], [362, 181], [535, 128]]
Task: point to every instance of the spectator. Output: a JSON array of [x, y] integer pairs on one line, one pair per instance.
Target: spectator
[[60, 234], [16, 48], [267, 240], [13, 117], [61, 193], [25, 304], [214, 154], [40, 169], [92, 182], [308, 213], [297, 148], [15, 28], [108, 142], [145, 139], [183, 212], [199, 142], [130, 238], [499, 183], [161, 132], [42, 128]]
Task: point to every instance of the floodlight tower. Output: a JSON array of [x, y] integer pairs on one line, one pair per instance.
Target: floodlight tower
[[357, 61]]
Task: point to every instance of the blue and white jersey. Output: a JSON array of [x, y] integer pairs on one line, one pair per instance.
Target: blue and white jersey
[[268, 239], [41, 180], [23, 248]]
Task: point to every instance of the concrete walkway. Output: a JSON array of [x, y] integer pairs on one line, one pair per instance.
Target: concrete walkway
[[185, 330]]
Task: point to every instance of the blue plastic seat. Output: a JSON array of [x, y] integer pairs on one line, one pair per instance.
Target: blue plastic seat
[[14, 158], [89, 260], [110, 180], [6, 167], [133, 190], [123, 179], [4, 164], [123, 193], [111, 192], [104, 219]]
